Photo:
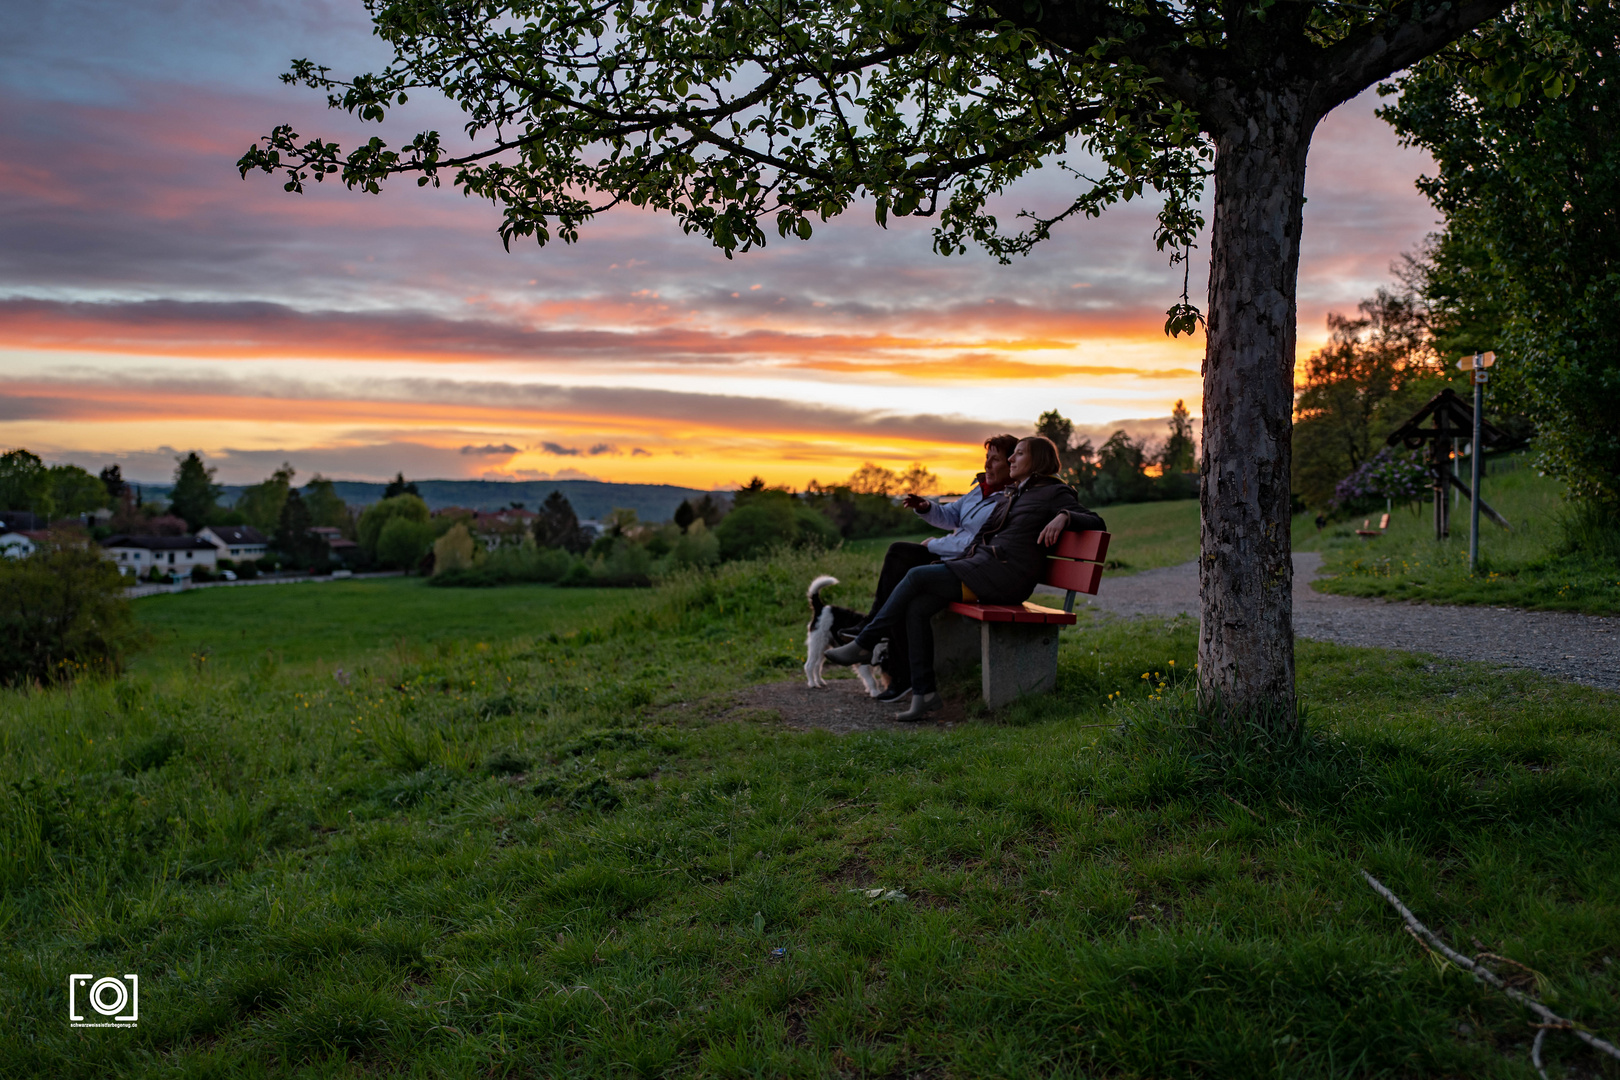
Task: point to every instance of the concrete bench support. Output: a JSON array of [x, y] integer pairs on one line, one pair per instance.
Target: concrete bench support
[[956, 641], [1014, 658], [1018, 659]]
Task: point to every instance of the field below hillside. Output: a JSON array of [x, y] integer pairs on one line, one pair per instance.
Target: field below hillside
[[565, 852], [1519, 567], [334, 621], [1145, 535], [1152, 534]]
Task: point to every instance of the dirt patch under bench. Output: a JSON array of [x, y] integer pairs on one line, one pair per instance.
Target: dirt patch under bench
[[840, 707]]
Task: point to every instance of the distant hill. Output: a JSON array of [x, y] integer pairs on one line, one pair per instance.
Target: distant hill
[[589, 498]]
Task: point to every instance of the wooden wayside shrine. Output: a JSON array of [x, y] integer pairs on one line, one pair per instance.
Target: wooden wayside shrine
[[1449, 418]]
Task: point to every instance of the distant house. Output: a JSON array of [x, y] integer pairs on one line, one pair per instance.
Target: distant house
[[237, 542], [16, 545], [19, 521], [515, 515], [508, 526], [341, 549], [177, 555]]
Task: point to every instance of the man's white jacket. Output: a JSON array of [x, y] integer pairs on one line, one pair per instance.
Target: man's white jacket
[[964, 517]]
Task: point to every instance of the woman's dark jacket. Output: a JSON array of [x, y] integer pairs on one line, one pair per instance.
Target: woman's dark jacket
[[1006, 562]]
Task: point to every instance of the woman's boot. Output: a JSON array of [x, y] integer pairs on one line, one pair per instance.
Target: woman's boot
[[921, 706]]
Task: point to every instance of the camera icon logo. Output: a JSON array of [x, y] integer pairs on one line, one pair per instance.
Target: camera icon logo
[[113, 1000]]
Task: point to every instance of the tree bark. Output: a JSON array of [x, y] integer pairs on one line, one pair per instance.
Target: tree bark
[[1246, 640]]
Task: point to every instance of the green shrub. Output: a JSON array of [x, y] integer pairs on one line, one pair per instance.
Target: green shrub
[[624, 564], [403, 542], [62, 613], [766, 523], [379, 515], [510, 565], [697, 548], [455, 550]]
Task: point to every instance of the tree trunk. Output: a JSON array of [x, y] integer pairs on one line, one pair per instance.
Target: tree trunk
[[1246, 641]]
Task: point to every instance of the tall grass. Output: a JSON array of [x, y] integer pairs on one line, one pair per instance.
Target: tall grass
[[1591, 530]]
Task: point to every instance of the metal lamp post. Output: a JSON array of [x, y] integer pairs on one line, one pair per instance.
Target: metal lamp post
[[1478, 366]]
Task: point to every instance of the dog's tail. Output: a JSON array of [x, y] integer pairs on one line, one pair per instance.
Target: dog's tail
[[820, 583]]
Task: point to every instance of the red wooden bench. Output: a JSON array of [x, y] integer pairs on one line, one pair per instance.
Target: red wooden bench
[[1367, 531], [1016, 644]]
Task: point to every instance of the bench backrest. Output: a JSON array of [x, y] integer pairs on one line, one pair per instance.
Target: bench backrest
[[1076, 564]]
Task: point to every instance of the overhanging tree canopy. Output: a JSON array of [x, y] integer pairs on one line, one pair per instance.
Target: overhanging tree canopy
[[737, 116], [1529, 261]]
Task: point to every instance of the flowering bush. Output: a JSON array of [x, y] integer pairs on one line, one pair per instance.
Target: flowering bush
[[1400, 475]]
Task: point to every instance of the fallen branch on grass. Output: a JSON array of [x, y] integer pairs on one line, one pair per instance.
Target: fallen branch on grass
[[1550, 1020], [1240, 806]]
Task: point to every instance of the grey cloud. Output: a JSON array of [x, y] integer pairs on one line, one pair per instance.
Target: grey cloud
[[490, 448], [23, 407], [602, 448], [754, 415], [639, 452]]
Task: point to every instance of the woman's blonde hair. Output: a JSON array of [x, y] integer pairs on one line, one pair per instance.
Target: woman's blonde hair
[[1045, 453]]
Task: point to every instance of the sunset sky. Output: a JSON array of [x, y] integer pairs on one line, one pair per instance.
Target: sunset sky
[[152, 302]]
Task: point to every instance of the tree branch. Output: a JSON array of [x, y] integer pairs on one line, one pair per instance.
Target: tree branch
[[1487, 976], [1376, 52]]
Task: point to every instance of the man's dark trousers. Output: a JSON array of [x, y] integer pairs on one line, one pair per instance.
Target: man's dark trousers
[[900, 558]]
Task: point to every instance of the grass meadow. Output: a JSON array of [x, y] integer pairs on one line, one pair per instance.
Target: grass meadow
[[547, 845], [1149, 535], [336, 621], [1521, 567], [1144, 536]]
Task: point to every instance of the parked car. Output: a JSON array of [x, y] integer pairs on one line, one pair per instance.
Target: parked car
[[227, 575]]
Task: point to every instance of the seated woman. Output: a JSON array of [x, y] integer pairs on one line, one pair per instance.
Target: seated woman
[[1002, 566]]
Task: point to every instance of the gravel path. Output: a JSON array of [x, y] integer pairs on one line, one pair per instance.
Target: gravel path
[[1576, 648]]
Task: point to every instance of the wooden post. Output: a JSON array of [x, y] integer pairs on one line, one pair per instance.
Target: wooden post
[[1442, 482], [1479, 375]]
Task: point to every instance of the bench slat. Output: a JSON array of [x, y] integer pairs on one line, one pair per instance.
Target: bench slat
[[1091, 545], [1051, 615], [986, 612], [1081, 577], [1013, 613]]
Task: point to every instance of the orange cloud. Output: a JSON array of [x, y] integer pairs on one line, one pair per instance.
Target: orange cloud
[[258, 330]]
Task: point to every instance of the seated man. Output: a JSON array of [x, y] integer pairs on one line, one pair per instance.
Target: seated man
[[964, 518]]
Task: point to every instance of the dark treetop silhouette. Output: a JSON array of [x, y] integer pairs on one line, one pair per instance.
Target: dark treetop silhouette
[[729, 114]]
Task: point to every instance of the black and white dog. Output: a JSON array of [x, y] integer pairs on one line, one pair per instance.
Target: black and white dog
[[827, 621]]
